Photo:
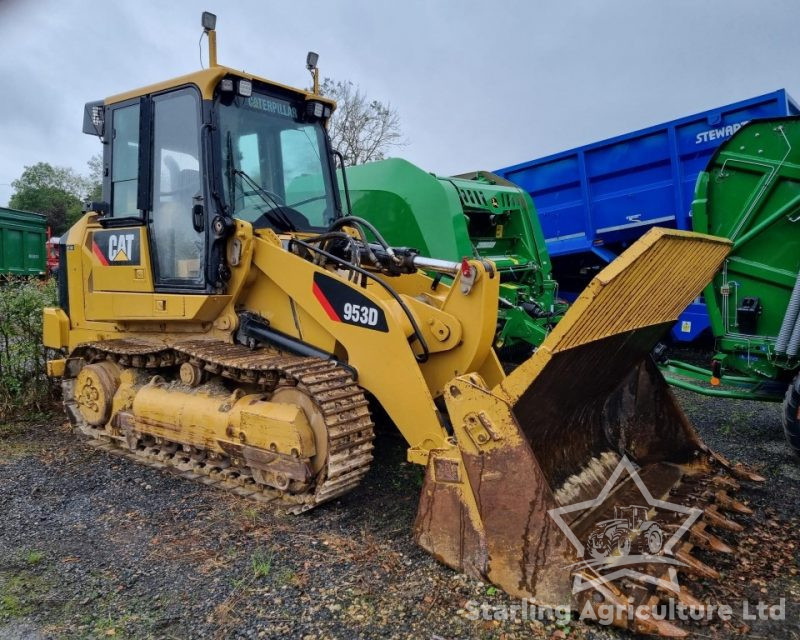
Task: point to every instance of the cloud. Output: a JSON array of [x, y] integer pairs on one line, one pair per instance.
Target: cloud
[[477, 85]]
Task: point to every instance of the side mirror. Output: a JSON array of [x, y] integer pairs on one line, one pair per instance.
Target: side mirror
[[94, 118]]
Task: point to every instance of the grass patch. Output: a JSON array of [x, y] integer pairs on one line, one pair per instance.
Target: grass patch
[[287, 577], [11, 606], [34, 557], [261, 561], [17, 438], [239, 583], [11, 429], [251, 513], [10, 450], [20, 594], [109, 626]]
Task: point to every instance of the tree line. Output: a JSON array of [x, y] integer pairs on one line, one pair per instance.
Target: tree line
[[57, 192]]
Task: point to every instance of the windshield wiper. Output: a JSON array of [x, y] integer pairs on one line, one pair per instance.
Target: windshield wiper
[[230, 169], [307, 200], [276, 213]]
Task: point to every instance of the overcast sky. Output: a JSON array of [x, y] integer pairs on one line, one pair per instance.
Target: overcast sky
[[478, 85]]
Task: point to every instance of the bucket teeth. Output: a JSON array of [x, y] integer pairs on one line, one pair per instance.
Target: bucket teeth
[[669, 590], [705, 540], [693, 565], [657, 627], [685, 596], [651, 626], [636, 593], [721, 481], [713, 517], [743, 473], [607, 594], [731, 504], [664, 587], [740, 471]]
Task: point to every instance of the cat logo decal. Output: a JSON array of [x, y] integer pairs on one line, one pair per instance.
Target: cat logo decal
[[117, 247]]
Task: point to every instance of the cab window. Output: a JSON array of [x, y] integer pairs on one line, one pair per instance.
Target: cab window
[[179, 248], [125, 161], [275, 169]]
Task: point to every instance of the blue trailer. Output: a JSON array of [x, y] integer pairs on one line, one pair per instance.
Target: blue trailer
[[593, 201]]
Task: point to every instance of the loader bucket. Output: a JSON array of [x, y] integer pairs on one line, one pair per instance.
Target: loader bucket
[[525, 496]]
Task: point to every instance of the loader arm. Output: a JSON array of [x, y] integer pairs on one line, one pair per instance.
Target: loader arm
[[459, 329]]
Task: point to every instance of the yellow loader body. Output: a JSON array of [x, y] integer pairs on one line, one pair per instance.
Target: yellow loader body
[[221, 316]]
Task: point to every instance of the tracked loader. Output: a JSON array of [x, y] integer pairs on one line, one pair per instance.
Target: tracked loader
[[221, 316]]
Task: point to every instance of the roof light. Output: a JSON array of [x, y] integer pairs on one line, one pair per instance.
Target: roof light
[[245, 88], [315, 109], [226, 85], [209, 21], [311, 60], [98, 116]]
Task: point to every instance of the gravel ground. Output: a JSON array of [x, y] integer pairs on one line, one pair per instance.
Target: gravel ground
[[97, 546]]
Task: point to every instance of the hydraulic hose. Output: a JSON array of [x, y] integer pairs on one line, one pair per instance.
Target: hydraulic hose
[[421, 357], [323, 239], [789, 324], [342, 222], [355, 220], [794, 341]]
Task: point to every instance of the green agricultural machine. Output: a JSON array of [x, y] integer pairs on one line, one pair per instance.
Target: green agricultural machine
[[476, 215], [750, 193]]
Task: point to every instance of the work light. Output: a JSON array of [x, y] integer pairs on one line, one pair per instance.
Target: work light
[[315, 109], [209, 21], [245, 88]]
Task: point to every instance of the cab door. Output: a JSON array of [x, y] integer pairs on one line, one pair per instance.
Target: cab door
[[178, 243], [116, 254], [148, 259]]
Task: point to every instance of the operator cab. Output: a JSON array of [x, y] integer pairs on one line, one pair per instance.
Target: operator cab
[[183, 158]]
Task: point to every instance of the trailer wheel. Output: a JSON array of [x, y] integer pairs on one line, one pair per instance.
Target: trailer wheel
[[791, 420]]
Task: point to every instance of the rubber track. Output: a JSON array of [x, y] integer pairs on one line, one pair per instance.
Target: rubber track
[[332, 387]]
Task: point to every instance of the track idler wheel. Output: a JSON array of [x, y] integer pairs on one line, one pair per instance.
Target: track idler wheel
[[94, 391]]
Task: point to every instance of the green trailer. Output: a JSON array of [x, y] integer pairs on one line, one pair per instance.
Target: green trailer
[[475, 215], [23, 239], [750, 193]]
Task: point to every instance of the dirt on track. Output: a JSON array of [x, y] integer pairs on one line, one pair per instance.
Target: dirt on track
[[95, 546]]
